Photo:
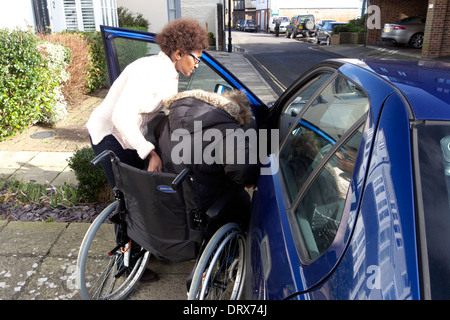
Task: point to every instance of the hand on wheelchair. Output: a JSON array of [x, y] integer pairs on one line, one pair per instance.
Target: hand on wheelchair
[[154, 162]]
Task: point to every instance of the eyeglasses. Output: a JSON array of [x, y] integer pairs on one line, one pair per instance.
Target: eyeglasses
[[196, 59]]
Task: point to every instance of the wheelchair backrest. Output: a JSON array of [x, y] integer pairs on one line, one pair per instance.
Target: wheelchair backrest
[[158, 217]]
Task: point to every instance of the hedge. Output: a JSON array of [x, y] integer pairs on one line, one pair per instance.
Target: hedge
[[33, 73], [26, 83]]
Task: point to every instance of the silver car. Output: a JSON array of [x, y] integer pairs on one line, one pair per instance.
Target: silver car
[[406, 31]]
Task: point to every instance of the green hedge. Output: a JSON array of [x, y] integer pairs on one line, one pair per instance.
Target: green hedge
[[31, 77], [26, 83], [97, 77]]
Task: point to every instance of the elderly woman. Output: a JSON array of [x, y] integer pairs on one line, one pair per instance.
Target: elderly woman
[[222, 162], [120, 122]]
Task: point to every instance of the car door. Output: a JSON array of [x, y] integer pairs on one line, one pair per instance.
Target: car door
[[123, 46], [305, 205]]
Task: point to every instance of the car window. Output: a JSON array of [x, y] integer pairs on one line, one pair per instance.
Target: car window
[[291, 111], [317, 160], [129, 50], [433, 145], [319, 211], [203, 78]]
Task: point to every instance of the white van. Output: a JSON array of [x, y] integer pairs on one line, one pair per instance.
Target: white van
[[284, 22]]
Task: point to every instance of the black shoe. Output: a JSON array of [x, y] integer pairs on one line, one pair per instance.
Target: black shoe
[[149, 276]]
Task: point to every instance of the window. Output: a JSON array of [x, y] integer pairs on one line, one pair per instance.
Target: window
[[239, 5], [174, 9], [109, 13], [317, 161], [87, 15], [433, 147]]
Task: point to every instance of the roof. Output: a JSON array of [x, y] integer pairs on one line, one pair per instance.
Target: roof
[[425, 84]]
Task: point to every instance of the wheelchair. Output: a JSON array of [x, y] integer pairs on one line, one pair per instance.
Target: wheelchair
[[157, 214]]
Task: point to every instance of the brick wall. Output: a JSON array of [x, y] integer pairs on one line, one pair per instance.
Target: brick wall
[[437, 41], [394, 10]]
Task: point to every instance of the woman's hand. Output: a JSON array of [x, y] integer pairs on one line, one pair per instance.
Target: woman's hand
[[154, 162]]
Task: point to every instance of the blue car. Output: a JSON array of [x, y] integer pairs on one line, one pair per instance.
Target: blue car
[[353, 200]]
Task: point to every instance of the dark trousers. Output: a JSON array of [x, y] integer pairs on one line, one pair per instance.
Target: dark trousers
[[127, 156]]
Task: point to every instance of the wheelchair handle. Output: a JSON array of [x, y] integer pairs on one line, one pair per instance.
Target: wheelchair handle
[[100, 157], [180, 178]]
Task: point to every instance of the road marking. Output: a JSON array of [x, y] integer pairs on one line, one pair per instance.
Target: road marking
[[271, 76]]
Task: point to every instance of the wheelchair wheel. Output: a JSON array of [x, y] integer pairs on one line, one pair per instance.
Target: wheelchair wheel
[[220, 271], [98, 275]]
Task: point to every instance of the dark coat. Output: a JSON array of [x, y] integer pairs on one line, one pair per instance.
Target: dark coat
[[191, 115]]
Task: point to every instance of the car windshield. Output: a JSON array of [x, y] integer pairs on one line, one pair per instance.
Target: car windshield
[[434, 166], [251, 21], [330, 26]]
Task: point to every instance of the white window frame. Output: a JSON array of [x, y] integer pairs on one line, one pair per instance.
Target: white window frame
[[173, 9], [104, 12]]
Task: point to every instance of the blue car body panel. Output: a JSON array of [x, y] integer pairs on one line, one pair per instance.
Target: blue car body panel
[[375, 253]]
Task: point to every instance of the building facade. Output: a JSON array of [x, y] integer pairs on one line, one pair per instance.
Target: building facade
[[59, 15]]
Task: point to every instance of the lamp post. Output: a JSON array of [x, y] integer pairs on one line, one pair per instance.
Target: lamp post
[[230, 46]]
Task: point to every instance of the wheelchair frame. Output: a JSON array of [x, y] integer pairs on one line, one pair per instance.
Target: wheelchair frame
[[110, 264]]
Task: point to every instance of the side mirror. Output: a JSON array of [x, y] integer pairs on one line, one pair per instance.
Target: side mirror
[[221, 88]]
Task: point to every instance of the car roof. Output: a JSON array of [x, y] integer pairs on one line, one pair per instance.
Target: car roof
[[424, 84]]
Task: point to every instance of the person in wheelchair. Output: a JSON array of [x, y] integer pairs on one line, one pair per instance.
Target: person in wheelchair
[[120, 123], [203, 131]]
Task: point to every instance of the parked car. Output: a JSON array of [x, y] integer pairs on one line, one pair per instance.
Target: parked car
[[239, 24], [324, 33], [406, 31], [301, 24], [284, 21], [353, 198], [250, 25], [321, 23]]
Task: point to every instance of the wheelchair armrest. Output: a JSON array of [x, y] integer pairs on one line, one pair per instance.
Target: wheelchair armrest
[[100, 157], [180, 178], [219, 204]]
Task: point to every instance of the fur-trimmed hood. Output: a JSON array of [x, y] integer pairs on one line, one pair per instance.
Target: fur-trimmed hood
[[235, 103]]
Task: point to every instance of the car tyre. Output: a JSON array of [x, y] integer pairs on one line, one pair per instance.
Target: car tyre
[[416, 41]]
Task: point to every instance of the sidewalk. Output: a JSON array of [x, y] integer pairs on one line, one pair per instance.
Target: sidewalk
[[38, 259]]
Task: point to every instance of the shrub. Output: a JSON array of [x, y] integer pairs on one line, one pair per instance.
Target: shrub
[[92, 183], [355, 25], [27, 86], [127, 18], [97, 75], [78, 67], [57, 57]]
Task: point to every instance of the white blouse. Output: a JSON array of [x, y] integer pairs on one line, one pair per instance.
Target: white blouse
[[132, 101]]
